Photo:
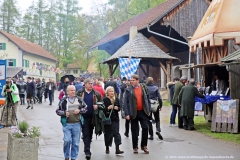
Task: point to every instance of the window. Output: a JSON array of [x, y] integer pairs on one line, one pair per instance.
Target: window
[[2, 46], [11, 62], [68, 71], [25, 63], [75, 71]]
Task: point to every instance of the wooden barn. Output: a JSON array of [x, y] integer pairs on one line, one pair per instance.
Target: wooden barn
[[167, 26]]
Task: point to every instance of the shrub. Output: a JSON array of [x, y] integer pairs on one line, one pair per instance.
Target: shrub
[[23, 130]]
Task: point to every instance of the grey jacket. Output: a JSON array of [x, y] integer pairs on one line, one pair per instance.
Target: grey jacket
[[130, 105]]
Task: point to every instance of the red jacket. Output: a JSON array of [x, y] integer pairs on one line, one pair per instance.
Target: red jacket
[[99, 89]]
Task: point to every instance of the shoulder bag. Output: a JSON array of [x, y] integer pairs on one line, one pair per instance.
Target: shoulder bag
[[154, 105]]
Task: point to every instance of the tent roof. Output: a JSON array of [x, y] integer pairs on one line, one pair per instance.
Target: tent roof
[[221, 21], [140, 47]]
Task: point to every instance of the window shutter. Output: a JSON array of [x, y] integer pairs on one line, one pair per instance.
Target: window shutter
[[14, 62], [3, 46]]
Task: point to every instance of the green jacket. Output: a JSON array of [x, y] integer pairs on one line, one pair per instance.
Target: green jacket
[[177, 89], [187, 100], [15, 93]]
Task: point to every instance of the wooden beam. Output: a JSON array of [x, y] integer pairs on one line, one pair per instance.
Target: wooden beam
[[143, 69], [164, 69], [110, 69], [115, 68]]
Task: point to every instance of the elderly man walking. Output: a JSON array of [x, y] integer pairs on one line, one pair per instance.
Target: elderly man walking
[[187, 101], [137, 109], [177, 89], [90, 97], [70, 108]]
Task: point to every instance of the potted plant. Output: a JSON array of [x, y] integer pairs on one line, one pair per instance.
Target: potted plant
[[23, 142]]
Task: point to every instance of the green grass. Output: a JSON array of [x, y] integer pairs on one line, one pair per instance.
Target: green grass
[[205, 127], [166, 103]]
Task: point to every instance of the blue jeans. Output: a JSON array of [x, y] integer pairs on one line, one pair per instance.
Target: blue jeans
[[72, 133], [173, 115]]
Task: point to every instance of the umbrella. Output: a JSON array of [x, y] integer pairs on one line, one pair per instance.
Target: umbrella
[[69, 76]]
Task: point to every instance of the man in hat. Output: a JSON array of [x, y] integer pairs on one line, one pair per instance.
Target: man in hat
[[187, 101], [177, 89]]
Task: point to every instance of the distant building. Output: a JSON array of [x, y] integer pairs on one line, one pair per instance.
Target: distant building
[[92, 67], [73, 69], [35, 60]]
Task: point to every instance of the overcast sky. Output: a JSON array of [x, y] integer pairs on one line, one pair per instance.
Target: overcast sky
[[84, 4]]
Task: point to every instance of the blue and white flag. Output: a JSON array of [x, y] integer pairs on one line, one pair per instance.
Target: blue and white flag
[[128, 66]]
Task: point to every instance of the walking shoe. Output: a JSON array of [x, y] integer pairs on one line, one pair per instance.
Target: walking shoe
[[88, 157], [145, 149], [135, 150], [192, 129], [159, 135], [2, 126], [107, 150], [171, 125], [50, 104], [185, 128], [174, 125], [28, 107], [125, 134], [32, 107], [150, 138], [66, 158], [119, 152]]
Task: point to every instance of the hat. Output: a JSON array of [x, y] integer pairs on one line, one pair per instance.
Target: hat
[[183, 78]]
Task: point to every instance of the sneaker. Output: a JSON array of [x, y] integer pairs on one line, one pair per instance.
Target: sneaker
[[171, 125], [125, 134], [28, 107], [174, 125]]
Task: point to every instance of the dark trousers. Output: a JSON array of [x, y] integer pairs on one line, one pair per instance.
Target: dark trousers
[[110, 132], [173, 114], [87, 131], [188, 121], [180, 120], [50, 94], [39, 95], [127, 122], [157, 120], [143, 119]]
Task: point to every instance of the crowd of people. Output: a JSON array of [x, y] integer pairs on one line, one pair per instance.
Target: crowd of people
[[102, 101], [85, 104]]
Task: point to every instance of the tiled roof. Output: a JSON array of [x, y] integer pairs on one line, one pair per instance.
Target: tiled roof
[[141, 21], [73, 65], [29, 46]]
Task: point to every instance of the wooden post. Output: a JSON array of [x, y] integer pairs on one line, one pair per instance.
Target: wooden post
[[169, 70], [110, 69], [115, 68]]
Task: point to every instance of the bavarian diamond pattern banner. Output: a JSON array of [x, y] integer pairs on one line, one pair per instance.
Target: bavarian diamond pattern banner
[[128, 66]]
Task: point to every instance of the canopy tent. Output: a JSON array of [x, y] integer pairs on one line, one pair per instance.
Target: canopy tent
[[220, 22]]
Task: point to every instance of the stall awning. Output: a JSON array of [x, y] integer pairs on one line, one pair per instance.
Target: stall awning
[[220, 22], [202, 65], [13, 71]]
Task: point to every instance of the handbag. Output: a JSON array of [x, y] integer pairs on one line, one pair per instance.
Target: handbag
[[154, 105], [107, 121]]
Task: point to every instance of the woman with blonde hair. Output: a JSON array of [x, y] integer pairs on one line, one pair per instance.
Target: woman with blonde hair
[[112, 107]]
